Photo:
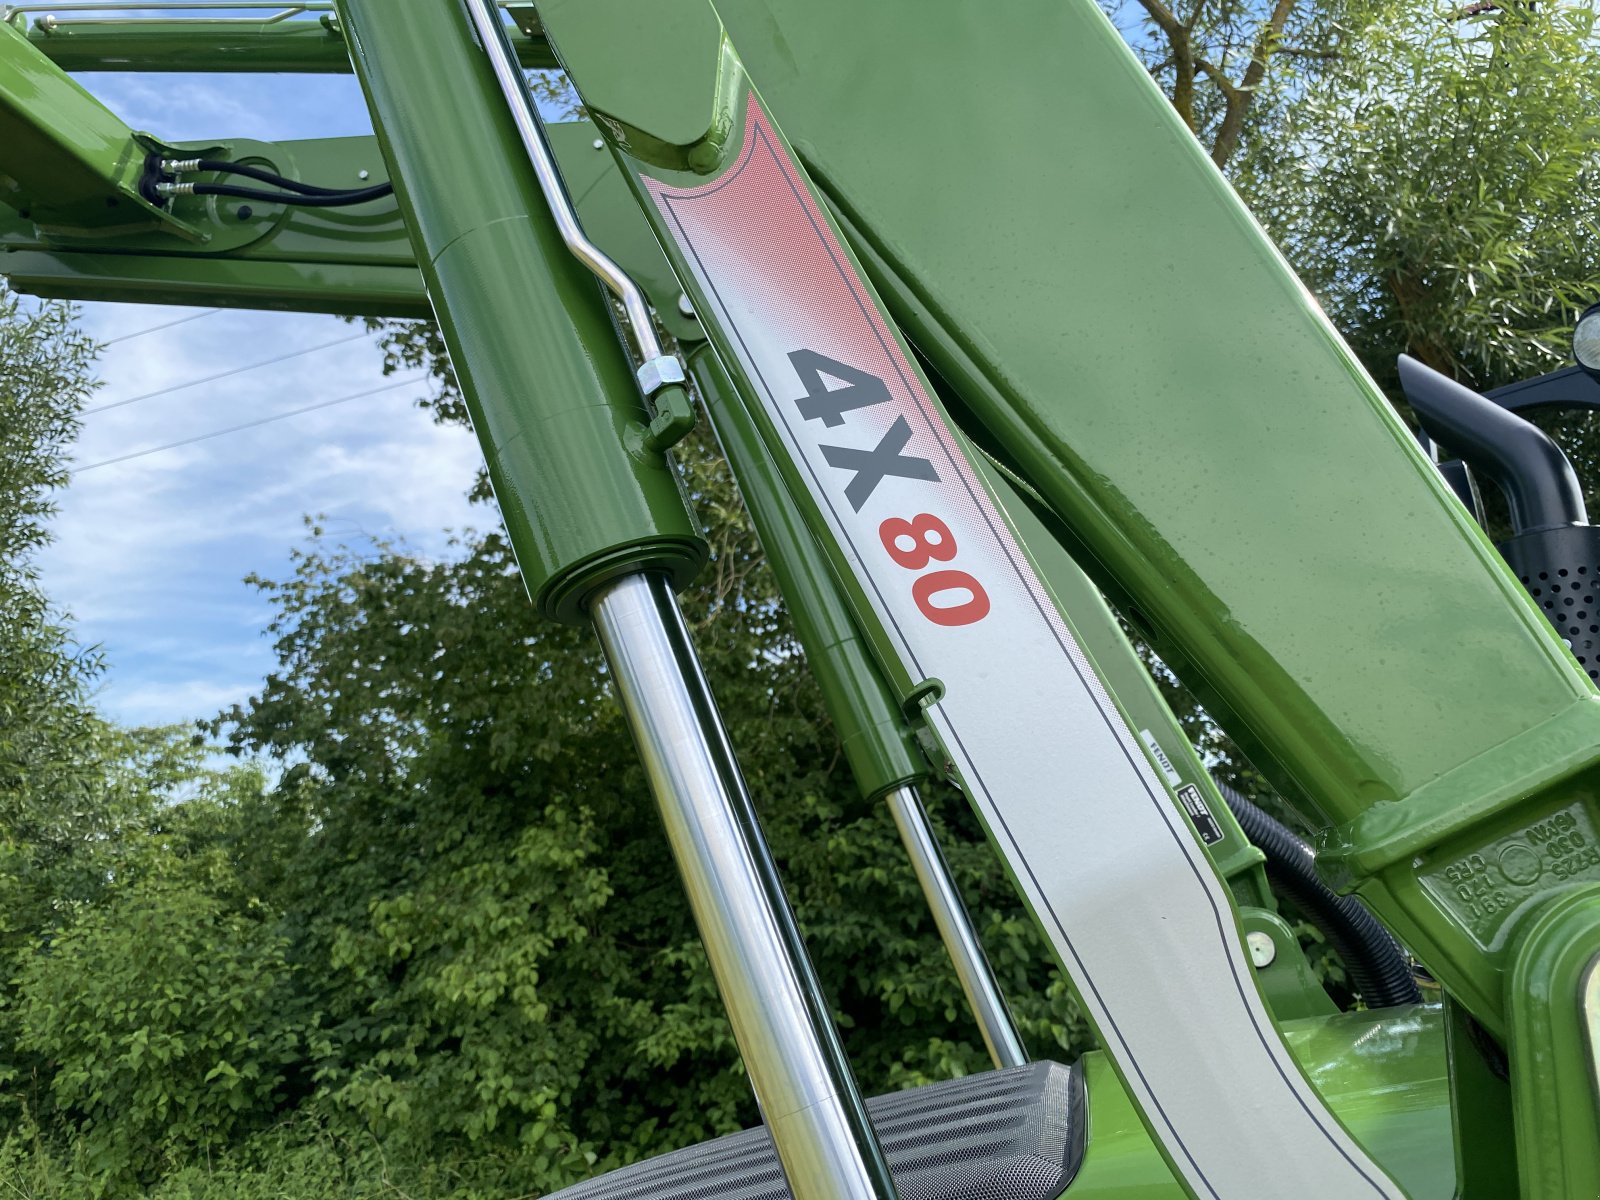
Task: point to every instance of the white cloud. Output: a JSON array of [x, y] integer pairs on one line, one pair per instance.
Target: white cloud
[[172, 703], [150, 553]]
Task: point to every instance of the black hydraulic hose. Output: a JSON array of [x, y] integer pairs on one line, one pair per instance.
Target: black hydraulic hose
[[224, 167], [1540, 485], [1378, 969], [335, 200]]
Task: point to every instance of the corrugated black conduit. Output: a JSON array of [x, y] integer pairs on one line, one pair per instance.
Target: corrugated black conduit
[[1378, 968]]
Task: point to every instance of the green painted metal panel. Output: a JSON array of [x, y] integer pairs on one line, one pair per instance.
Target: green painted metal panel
[[67, 161], [310, 46], [1480, 1110], [354, 261], [350, 290], [1386, 666], [1554, 1046], [1225, 462], [1120, 333], [1174, 889], [1383, 1073], [553, 401]]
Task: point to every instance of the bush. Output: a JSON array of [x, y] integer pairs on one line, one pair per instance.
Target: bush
[[169, 1024]]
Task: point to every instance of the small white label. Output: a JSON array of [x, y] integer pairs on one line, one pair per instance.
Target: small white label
[[1159, 756]]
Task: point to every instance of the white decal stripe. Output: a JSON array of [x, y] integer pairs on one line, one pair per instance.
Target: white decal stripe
[[1098, 846]]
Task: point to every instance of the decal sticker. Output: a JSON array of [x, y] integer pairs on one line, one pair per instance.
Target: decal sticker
[[1160, 757], [1204, 823], [1088, 829]]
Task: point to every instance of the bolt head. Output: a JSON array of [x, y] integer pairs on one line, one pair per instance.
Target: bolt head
[[659, 372], [1263, 950], [686, 306]]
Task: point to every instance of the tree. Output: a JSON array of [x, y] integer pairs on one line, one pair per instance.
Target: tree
[[113, 843], [51, 824], [1438, 186], [1221, 62], [44, 718], [504, 957]]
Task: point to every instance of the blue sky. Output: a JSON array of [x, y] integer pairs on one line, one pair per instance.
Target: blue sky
[[150, 553]]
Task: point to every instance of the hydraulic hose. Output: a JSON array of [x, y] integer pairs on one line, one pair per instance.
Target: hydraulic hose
[[335, 200], [1378, 969], [265, 176]]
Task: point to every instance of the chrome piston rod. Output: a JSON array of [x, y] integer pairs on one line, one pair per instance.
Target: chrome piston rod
[[780, 1018], [955, 930]]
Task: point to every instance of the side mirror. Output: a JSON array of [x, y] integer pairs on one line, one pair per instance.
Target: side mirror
[[1586, 341]]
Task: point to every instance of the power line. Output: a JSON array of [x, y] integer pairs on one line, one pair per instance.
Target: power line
[[283, 416], [266, 362], [210, 312]]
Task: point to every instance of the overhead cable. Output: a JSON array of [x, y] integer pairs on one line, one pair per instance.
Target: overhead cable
[[127, 337], [266, 362], [283, 416]]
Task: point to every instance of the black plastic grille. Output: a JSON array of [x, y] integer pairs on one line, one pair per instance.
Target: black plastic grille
[[1561, 570]]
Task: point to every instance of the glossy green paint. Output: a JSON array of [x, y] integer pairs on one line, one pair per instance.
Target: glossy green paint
[[1288, 984], [1555, 1069], [556, 17], [550, 389], [372, 232], [1062, 284], [1383, 1073], [338, 288], [1255, 491], [873, 730], [353, 261], [305, 46], [664, 114], [1480, 1113], [67, 161], [1230, 477]]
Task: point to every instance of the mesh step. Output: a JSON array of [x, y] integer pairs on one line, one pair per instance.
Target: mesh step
[[1003, 1135]]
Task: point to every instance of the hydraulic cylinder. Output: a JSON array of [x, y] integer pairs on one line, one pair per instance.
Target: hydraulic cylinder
[[560, 418]]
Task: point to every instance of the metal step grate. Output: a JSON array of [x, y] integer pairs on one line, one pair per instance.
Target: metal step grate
[[1004, 1135]]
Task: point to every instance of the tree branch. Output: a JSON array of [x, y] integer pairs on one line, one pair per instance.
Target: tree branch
[[1183, 66], [1238, 101]]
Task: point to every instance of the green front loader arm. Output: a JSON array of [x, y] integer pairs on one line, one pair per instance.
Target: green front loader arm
[[1051, 245]]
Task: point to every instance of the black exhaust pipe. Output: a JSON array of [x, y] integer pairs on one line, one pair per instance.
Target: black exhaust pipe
[[1540, 485], [1552, 548]]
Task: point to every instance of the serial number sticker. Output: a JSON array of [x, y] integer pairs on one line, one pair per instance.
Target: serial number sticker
[[1104, 859], [1204, 823]]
